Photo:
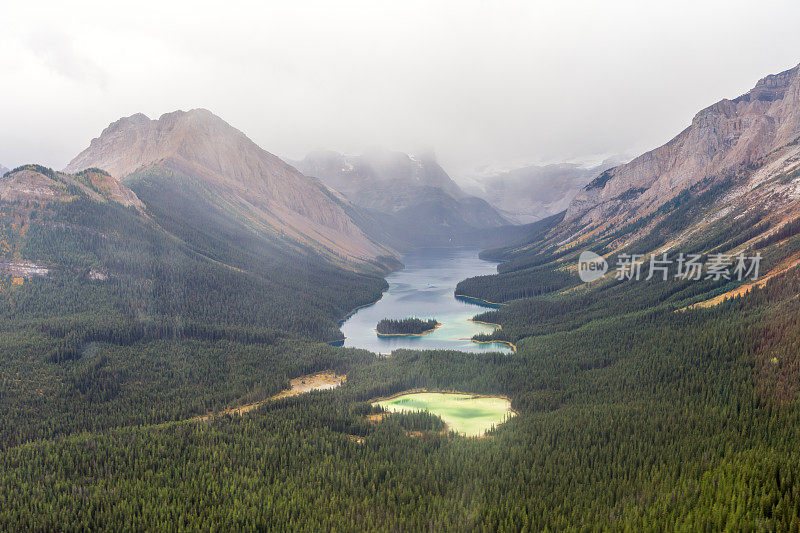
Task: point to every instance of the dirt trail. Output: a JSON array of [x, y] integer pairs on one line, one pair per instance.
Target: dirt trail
[[320, 381]]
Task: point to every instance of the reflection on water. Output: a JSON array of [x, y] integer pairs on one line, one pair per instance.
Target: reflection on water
[[424, 288]]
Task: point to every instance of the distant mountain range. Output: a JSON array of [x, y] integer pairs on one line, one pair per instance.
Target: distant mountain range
[[413, 195], [196, 164], [199, 176], [3, 170], [533, 192]]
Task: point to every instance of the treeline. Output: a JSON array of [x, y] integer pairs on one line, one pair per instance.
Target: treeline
[[418, 421], [789, 229], [516, 285]]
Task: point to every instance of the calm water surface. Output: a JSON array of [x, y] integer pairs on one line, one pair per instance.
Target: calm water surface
[[425, 288]]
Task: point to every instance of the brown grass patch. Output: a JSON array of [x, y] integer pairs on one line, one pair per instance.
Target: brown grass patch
[[319, 381]]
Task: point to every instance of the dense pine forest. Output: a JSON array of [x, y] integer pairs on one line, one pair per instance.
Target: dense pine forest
[[652, 419], [634, 411]]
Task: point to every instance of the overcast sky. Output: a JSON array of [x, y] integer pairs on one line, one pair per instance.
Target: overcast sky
[[480, 82]]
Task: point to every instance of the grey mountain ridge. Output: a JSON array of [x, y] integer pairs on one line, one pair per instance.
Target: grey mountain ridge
[[723, 139]]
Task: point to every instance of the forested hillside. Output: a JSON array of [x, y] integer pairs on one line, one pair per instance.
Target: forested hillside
[[116, 262], [639, 419], [101, 307], [633, 411]]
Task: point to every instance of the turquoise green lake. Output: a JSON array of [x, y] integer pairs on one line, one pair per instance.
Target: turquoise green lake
[[466, 414]]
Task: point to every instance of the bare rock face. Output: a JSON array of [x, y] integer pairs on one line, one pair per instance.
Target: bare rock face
[[29, 185], [200, 145], [40, 185], [723, 139]]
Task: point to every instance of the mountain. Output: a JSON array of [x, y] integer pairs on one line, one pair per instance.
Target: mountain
[[196, 163], [723, 140], [619, 329], [534, 192], [413, 194], [379, 179], [729, 183], [90, 250], [724, 194], [3, 170]]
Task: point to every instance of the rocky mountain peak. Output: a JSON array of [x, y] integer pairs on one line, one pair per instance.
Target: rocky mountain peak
[[774, 86], [722, 139], [136, 141], [204, 149]]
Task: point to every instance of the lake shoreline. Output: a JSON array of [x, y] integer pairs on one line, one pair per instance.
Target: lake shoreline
[[510, 344], [442, 391], [499, 326], [479, 299], [354, 311]]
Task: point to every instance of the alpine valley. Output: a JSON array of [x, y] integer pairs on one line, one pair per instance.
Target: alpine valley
[[170, 301], [412, 195]]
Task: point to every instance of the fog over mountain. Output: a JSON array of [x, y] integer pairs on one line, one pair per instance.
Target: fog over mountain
[[479, 82], [413, 192], [533, 192]]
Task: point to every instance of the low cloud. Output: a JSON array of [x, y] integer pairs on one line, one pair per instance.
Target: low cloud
[[482, 83], [57, 51]]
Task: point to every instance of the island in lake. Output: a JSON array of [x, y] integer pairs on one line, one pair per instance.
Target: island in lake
[[406, 326]]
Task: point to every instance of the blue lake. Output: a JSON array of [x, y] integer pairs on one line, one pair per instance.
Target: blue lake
[[425, 289]]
